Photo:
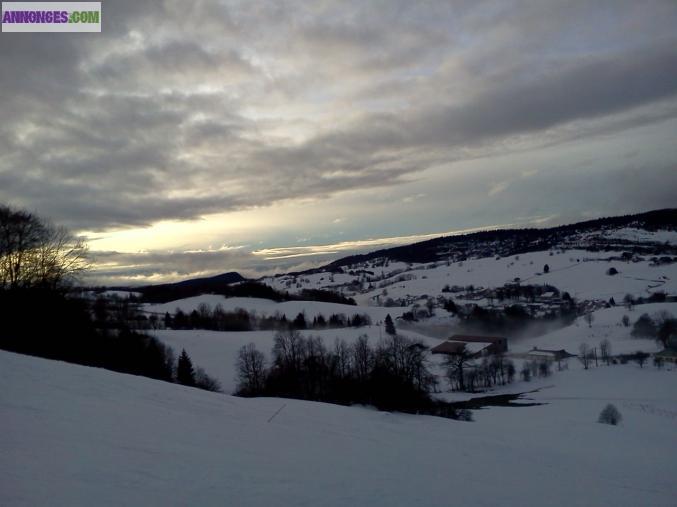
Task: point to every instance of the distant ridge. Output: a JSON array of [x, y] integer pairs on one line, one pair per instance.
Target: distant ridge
[[187, 288], [212, 281], [513, 241], [496, 241]]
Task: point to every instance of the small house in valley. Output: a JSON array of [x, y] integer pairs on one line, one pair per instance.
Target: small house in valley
[[476, 345]]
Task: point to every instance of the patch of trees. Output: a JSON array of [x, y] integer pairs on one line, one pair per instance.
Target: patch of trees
[[467, 374], [662, 327], [536, 368], [518, 292], [204, 317], [67, 330], [392, 375], [510, 319]]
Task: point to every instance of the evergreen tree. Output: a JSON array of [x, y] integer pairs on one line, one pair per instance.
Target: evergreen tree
[[390, 326], [300, 321], [168, 320], [185, 374]]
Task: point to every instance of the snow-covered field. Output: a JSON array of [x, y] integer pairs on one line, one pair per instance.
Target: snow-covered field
[[73, 435]]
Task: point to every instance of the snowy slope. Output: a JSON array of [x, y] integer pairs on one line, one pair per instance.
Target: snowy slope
[[606, 325], [79, 436], [581, 273]]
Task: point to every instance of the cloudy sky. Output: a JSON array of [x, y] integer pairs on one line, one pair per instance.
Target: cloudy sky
[[191, 138]]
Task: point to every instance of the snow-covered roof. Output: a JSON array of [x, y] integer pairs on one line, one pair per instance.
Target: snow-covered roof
[[454, 347]]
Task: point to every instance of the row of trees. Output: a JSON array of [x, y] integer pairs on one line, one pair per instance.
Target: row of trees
[[392, 375], [510, 319], [217, 319], [466, 374]]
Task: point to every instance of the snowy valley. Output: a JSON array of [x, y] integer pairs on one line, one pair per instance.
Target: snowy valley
[[76, 435]]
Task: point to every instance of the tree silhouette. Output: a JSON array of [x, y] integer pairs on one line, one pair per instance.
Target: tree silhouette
[[390, 326], [185, 374], [36, 254]]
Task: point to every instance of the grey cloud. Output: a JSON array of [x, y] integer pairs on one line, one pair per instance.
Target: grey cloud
[[135, 125]]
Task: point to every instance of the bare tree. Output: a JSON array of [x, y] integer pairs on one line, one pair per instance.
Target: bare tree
[[363, 358], [251, 370], [585, 355], [289, 350], [605, 350], [456, 364], [342, 359], [35, 253]]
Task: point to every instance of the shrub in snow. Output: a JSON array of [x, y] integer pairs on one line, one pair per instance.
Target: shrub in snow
[[610, 415], [612, 271]]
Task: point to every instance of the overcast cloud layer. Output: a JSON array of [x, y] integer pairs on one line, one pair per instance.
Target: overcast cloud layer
[[329, 122]]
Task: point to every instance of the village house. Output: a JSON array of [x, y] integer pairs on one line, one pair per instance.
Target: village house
[[476, 345]]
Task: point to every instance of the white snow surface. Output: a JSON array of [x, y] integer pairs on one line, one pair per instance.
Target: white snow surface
[[79, 436]]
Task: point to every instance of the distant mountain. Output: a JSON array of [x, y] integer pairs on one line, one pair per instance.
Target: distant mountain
[[212, 281], [232, 285], [516, 241], [187, 288]]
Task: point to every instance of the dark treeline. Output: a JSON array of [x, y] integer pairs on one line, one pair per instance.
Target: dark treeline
[[74, 330], [217, 319], [513, 319], [392, 375], [662, 327], [171, 292], [467, 373]]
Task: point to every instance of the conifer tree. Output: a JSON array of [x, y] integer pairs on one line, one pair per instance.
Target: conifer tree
[[390, 326], [185, 374]]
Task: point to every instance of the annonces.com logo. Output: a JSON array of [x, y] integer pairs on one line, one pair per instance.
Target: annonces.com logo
[[51, 16]]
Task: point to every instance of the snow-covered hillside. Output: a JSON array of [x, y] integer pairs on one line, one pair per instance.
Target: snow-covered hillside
[[606, 325], [73, 435], [581, 273]]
